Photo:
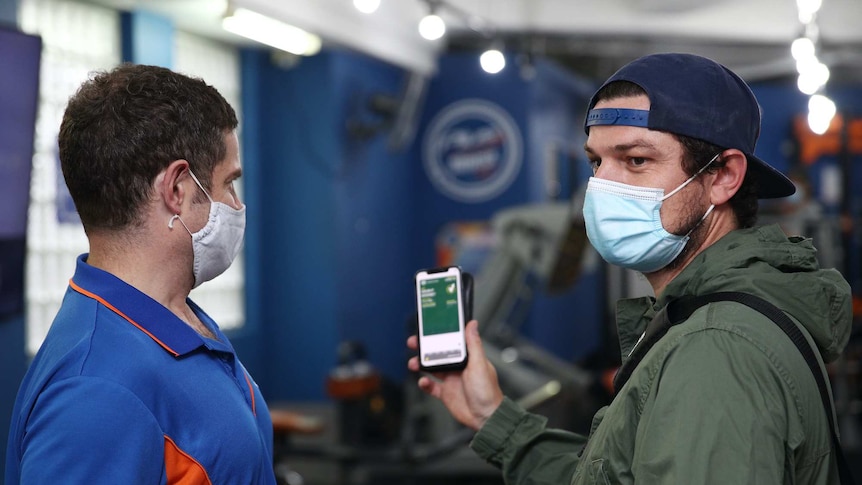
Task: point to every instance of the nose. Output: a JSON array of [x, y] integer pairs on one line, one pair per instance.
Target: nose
[[236, 203], [605, 171], [232, 199], [598, 171]]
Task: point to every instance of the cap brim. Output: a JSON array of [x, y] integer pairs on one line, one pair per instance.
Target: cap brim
[[772, 184]]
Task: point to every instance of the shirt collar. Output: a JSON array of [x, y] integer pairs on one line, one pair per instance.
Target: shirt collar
[[141, 311], [633, 315]]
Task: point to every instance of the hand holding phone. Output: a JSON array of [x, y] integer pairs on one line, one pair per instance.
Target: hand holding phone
[[443, 304], [473, 394]]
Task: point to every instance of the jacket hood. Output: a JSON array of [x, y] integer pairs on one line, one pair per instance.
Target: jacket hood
[[763, 261]]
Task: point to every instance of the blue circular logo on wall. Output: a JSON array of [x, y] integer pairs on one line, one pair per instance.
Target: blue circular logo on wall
[[472, 150]]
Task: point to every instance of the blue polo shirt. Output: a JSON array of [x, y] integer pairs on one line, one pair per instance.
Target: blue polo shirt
[[124, 392]]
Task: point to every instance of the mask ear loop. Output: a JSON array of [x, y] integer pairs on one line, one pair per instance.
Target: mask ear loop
[[199, 185], [175, 218], [708, 212], [711, 206], [682, 186]]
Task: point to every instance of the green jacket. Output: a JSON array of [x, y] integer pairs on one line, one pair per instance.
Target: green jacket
[[723, 398]]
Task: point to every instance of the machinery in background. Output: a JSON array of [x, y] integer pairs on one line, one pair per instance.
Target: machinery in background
[[539, 247], [827, 208]]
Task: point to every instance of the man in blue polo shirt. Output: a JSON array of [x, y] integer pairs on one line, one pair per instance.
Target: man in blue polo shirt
[[134, 383]]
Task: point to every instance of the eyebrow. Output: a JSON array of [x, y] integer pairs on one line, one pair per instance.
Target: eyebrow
[[235, 174], [625, 147]]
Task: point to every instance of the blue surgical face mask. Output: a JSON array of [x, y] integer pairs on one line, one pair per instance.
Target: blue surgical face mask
[[623, 223]]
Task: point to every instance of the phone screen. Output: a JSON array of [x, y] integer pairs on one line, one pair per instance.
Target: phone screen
[[441, 317]]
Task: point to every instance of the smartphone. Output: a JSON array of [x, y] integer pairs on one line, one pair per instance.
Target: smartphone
[[444, 301]]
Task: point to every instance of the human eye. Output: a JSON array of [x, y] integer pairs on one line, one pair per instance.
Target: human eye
[[231, 187], [637, 161], [595, 163], [232, 180]]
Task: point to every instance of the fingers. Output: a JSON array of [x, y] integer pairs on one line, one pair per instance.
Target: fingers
[[474, 345], [413, 364], [474, 342], [429, 386]]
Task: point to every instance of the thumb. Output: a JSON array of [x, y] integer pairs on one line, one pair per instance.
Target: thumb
[[474, 342]]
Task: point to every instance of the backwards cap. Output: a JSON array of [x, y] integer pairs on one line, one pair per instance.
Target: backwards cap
[[699, 98]]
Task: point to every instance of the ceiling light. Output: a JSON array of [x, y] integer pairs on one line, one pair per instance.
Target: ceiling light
[[366, 6], [271, 32], [821, 110], [802, 48], [432, 27], [813, 77], [492, 61], [807, 9]]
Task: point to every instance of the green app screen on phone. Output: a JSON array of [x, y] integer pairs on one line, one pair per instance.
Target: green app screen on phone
[[439, 298]]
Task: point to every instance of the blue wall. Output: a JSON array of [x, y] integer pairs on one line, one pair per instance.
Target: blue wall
[[547, 104], [294, 225], [569, 323], [374, 194], [329, 251], [460, 77]]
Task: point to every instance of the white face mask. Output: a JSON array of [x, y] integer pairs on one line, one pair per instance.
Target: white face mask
[[217, 244]]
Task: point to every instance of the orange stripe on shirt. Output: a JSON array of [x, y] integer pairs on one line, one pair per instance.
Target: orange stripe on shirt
[[118, 312], [251, 392], [182, 469]]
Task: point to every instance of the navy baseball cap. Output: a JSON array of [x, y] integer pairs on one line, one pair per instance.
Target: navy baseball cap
[[699, 98]]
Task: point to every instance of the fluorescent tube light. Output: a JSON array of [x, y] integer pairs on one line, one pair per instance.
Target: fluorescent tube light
[[366, 6], [271, 32]]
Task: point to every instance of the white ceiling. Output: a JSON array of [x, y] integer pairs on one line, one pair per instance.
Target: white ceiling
[[750, 36]]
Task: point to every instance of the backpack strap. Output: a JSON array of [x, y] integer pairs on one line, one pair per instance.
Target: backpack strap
[[678, 311]]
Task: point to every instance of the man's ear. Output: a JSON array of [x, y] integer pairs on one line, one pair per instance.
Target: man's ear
[[169, 188], [728, 179]]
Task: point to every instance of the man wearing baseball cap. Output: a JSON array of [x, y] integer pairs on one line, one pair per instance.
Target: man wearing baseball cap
[[711, 389]]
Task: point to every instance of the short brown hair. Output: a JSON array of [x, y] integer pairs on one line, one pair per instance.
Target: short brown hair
[[125, 126]]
